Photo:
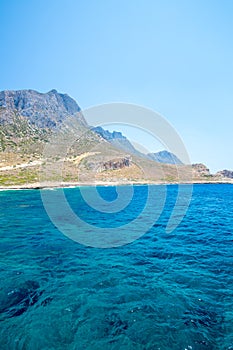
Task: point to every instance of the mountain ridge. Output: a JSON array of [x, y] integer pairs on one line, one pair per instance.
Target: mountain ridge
[[44, 110], [118, 140], [28, 120], [165, 157]]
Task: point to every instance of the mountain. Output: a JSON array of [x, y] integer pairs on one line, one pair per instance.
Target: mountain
[[31, 121], [28, 117], [43, 110], [120, 141], [165, 157], [225, 174], [201, 170], [117, 140]]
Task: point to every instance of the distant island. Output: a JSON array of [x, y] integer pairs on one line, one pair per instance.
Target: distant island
[[28, 120]]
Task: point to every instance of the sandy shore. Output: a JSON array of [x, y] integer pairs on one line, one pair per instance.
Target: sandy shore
[[72, 184], [52, 185]]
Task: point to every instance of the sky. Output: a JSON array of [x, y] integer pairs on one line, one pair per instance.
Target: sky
[[172, 56]]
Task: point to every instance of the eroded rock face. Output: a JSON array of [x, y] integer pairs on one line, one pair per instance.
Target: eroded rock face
[[115, 164], [201, 169], [111, 164], [44, 110], [225, 173]]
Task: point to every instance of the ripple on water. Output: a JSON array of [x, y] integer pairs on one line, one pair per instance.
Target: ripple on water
[[163, 291]]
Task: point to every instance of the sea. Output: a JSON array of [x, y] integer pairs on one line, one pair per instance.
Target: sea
[[163, 290]]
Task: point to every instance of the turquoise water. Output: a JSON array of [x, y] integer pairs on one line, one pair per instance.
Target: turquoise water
[[163, 291]]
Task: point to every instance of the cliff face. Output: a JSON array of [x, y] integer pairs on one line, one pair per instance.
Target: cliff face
[[225, 174], [43, 110], [115, 164], [201, 170], [110, 164]]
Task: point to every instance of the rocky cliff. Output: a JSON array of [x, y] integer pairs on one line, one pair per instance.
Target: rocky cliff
[[28, 121], [201, 170], [114, 164], [225, 174], [43, 110]]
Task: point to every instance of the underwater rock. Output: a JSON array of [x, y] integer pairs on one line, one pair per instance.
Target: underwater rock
[[16, 301]]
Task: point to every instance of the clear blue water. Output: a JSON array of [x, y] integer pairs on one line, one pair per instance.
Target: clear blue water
[[163, 291]]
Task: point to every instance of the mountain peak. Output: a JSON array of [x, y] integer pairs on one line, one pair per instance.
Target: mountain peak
[[40, 109], [165, 157], [53, 91]]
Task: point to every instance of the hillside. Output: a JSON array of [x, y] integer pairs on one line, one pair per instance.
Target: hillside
[[27, 118], [118, 140], [35, 148], [43, 110]]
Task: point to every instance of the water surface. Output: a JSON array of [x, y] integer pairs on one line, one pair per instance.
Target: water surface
[[163, 291]]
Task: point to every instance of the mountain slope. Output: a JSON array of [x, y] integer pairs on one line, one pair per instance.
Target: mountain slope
[[121, 142], [117, 140], [43, 110], [225, 174], [165, 157], [30, 122]]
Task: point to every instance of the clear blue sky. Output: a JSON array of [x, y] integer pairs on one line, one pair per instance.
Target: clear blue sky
[[175, 57]]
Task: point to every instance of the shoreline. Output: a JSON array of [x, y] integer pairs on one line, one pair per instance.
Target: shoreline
[[39, 186]]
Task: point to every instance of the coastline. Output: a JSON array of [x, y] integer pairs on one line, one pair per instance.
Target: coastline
[[53, 185]]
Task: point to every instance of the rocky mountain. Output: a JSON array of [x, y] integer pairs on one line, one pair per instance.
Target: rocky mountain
[[120, 141], [165, 157], [201, 170], [112, 164], [225, 174], [42, 110], [30, 119], [117, 140]]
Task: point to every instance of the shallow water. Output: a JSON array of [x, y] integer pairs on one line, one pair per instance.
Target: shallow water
[[163, 291]]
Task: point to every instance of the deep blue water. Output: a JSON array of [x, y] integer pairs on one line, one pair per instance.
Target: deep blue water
[[163, 291]]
